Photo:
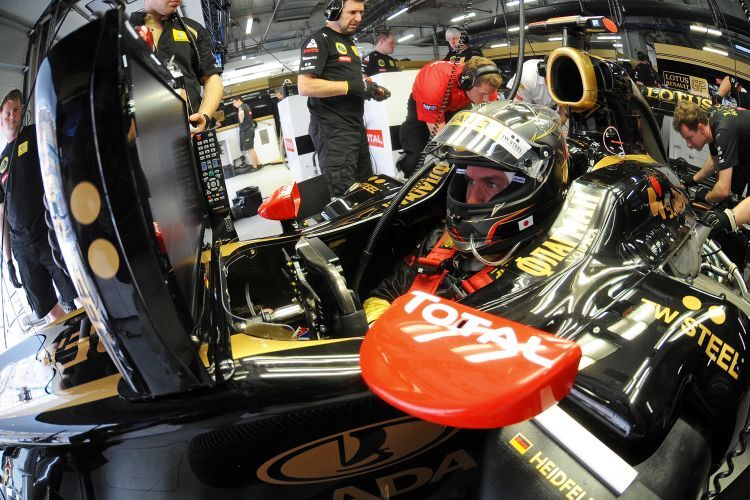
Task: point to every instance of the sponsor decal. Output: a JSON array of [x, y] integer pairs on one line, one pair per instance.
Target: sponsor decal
[[381, 63], [341, 48], [310, 58], [519, 179], [307, 65], [526, 223], [289, 143], [492, 129], [179, 35], [675, 96], [354, 452], [309, 51], [23, 148], [520, 443], [4, 165], [366, 59], [543, 260], [577, 217], [490, 344], [557, 478], [392, 63], [370, 188], [375, 138], [697, 327], [430, 107], [355, 50], [427, 184], [687, 83], [311, 44], [347, 59]]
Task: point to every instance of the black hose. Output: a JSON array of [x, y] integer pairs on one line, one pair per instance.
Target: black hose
[[364, 259], [521, 47]]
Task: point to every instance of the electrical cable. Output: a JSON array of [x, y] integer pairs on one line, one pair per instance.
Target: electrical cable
[[521, 46]]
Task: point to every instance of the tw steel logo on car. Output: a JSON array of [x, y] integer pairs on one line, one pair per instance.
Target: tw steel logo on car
[[354, 452]]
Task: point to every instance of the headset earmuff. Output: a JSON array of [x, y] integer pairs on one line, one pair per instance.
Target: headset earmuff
[[467, 79], [333, 10]]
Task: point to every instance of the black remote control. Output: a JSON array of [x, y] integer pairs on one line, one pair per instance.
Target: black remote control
[[208, 154]]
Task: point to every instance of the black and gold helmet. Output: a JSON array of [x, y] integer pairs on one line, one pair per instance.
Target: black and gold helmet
[[523, 141]]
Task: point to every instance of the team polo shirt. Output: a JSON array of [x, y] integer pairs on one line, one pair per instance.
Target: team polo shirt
[[175, 41], [333, 56], [376, 62], [731, 129], [464, 55], [22, 188], [430, 87]]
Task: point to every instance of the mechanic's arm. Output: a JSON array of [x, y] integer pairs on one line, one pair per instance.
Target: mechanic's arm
[[213, 91], [6, 235], [721, 189], [742, 212], [708, 168], [724, 87], [312, 86]]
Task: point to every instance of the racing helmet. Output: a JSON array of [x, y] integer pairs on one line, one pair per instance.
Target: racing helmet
[[524, 142]]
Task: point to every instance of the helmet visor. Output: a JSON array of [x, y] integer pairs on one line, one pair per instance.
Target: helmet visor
[[473, 133]]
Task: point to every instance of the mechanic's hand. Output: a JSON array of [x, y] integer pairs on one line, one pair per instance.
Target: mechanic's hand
[[375, 91], [12, 274], [687, 180], [199, 121], [700, 195], [719, 221]]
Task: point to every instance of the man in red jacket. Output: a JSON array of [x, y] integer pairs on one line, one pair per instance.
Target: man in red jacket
[[475, 81]]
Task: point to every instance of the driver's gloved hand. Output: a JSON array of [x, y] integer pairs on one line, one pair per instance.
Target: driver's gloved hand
[[375, 91], [720, 221], [700, 194], [12, 276]]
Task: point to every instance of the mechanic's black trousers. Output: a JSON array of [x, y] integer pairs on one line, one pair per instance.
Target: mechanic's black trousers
[[414, 136], [343, 155]]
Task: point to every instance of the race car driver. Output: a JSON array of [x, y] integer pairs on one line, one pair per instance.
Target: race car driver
[[496, 203], [380, 60], [330, 75], [475, 81], [185, 48], [725, 130]]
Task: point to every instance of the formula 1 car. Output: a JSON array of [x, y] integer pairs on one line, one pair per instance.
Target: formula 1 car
[[237, 369]]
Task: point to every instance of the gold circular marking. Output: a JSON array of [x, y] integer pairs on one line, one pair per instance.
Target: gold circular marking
[[718, 315], [103, 259], [692, 303], [372, 178], [380, 181], [85, 202]]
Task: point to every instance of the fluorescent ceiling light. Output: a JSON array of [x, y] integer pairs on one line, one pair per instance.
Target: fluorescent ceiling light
[[704, 30], [397, 13], [249, 25], [623, 59], [461, 18], [743, 49], [404, 38], [496, 45], [715, 51], [513, 3], [608, 37], [555, 39]]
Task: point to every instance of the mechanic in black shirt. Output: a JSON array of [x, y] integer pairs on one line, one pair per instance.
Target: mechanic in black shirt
[[726, 131], [460, 49], [732, 93], [644, 72], [247, 131], [185, 47], [330, 75], [380, 60], [22, 213]]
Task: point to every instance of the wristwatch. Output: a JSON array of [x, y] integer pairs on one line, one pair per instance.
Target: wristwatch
[[208, 120]]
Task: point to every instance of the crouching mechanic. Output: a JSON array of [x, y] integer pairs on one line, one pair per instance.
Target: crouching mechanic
[[496, 203], [473, 82], [330, 74], [725, 130]]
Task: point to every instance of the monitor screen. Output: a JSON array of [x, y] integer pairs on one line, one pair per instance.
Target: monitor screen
[[166, 158]]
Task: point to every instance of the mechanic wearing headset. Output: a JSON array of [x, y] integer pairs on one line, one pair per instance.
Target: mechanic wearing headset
[[460, 50], [496, 204], [185, 48], [330, 74], [475, 81], [380, 60]]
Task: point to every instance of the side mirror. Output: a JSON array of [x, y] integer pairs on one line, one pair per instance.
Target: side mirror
[[282, 205]]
